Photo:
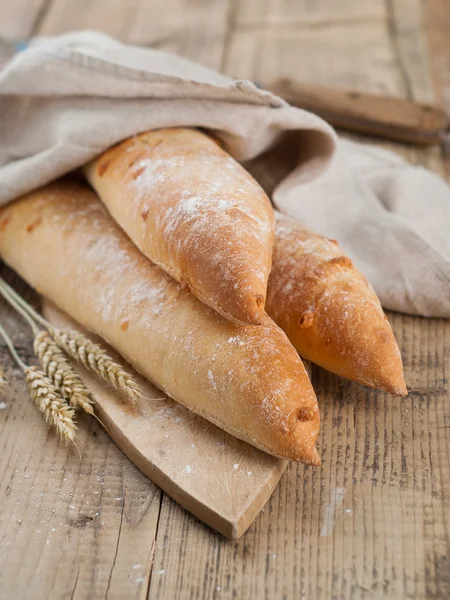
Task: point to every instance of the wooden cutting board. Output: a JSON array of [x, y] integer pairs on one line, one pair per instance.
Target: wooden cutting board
[[218, 478]]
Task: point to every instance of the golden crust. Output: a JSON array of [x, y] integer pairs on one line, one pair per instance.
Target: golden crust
[[249, 380], [329, 311], [195, 212]]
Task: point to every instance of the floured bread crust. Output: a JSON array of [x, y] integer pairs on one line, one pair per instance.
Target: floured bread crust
[[248, 380], [195, 212], [329, 311]]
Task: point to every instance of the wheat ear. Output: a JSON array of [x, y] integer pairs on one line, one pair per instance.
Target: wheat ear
[[51, 404], [94, 358], [47, 398], [61, 373]]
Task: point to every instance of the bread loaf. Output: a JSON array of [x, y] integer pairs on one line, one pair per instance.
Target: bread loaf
[[329, 311], [195, 212], [248, 380]]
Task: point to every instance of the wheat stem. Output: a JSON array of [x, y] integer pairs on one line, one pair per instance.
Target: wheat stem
[[17, 307], [9, 343], [24, 304], [94, 358], [59, 370]]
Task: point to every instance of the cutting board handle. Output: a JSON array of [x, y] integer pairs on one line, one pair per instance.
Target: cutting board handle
[[382, 116]]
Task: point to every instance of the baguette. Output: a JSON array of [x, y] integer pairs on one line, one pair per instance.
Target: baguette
[[195, 212], [329, 311], [248, 380]]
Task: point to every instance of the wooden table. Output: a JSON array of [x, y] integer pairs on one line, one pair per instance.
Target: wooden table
[[374, 521]]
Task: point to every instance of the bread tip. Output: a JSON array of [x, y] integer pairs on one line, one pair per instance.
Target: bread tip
[[252, 312], [313, 459], [401, 391], [396, 387], [256, 313]]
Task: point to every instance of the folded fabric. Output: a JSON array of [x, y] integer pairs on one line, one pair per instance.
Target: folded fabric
[[65, 99], [392, 218]]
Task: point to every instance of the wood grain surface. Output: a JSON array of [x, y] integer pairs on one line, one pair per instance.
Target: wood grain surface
[[373, 521]]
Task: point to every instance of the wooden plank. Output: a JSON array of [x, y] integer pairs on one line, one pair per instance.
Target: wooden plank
[[409, 43], [307, 13], [360, 58], [437, 21], [372, 522], [195, 30], [437, 26], [18, 18], [384, 52], [18, 21]]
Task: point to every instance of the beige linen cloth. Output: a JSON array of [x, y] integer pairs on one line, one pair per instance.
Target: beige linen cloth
[[65, 99]]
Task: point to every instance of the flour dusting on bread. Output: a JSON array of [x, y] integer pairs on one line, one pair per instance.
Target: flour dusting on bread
[[195, 212], [329, 311], [247, 379]]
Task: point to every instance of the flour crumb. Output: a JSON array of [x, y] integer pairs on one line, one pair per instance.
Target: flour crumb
[[211, 379], [188, 469], [236, 466], [3, 405]]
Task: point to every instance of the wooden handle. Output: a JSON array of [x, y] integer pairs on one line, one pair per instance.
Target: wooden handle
[[383, 116]]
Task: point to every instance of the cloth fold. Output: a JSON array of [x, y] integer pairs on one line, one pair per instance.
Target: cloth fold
[[67, 98]]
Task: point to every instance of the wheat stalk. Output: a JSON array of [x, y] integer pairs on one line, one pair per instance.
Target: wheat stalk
[[59, 370], [94, 358], [8, 294], [51, 404], [22, 307]]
